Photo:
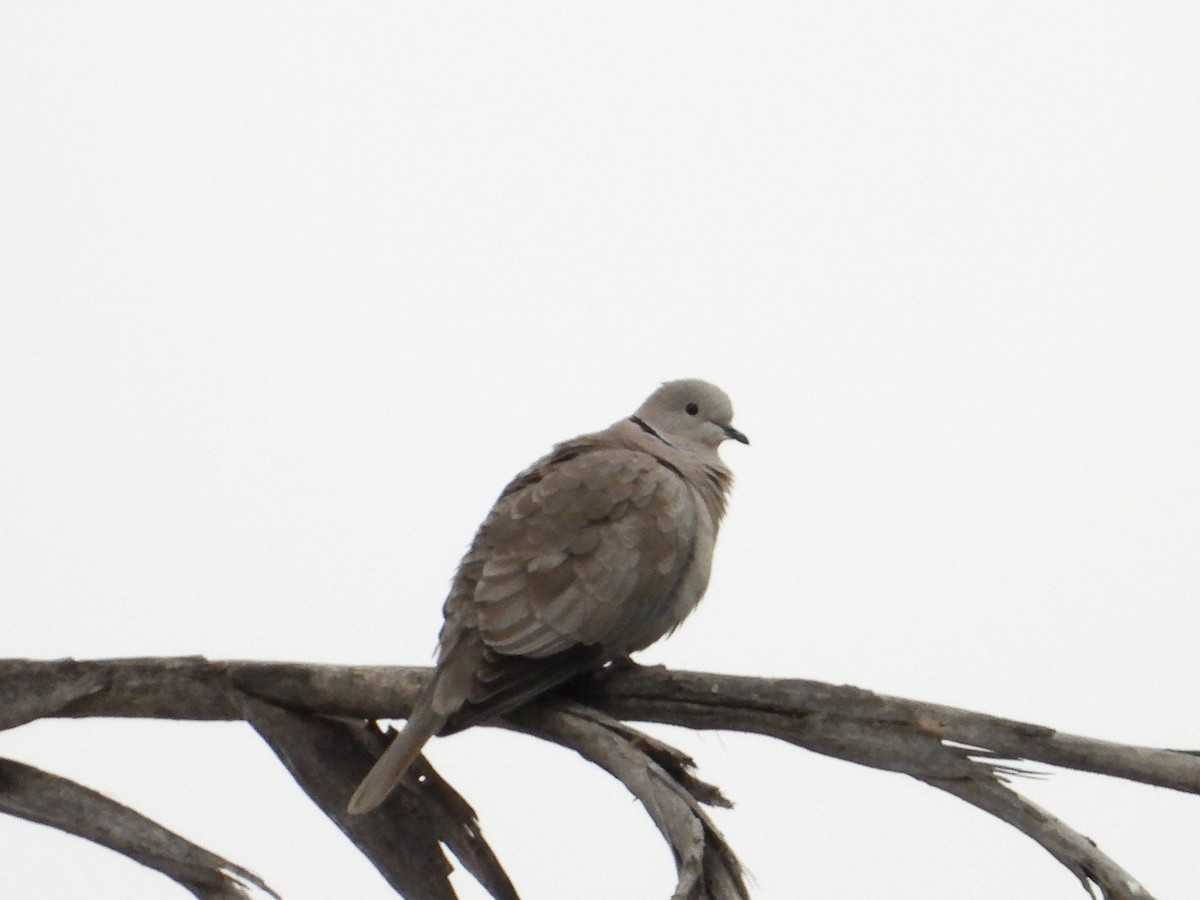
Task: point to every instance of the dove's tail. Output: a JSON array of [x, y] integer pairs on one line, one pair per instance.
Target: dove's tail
[[390, 768]]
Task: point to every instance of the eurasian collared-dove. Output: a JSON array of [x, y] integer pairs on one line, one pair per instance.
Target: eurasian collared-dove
[[595, 551]]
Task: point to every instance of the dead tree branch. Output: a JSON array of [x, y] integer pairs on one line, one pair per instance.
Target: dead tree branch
[[29, 793], [313, 718]]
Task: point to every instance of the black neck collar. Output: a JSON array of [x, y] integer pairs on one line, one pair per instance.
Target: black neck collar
[[640, 423]]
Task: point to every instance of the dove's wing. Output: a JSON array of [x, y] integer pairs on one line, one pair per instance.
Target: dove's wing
[[576, 564]]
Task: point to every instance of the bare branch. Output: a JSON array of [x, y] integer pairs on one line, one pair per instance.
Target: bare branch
[[1077, 853], [41, 691], [818, 716], [38, 796], [707, 867], [403, 838], [967, 754]]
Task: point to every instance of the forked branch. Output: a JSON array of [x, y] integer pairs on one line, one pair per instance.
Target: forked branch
[[313, 717]]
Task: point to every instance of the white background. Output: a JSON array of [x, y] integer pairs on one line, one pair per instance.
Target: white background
[[288, 292]]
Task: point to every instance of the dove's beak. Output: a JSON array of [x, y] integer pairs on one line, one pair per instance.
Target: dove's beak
[[731, 432]]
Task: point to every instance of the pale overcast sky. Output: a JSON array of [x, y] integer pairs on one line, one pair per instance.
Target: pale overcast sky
[[289, 291]]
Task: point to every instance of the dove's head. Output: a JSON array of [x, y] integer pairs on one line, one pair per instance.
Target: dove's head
[[690, 411]]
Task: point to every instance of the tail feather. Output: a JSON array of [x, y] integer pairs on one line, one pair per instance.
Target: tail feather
[[390, 768]]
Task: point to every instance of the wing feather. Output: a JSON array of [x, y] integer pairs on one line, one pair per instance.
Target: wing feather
[[563, 574]]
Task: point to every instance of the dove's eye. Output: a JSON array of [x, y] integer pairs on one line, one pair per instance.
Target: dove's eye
[[691, 409]]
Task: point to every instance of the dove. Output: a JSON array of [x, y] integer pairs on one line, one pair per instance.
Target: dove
[[594, 552]]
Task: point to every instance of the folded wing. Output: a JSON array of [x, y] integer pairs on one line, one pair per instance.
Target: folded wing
[[576, 564]]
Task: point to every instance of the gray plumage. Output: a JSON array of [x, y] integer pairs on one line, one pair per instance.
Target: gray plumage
[[594, 552]]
